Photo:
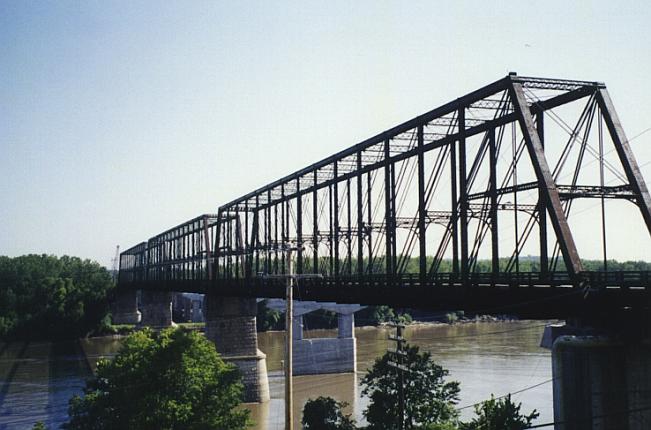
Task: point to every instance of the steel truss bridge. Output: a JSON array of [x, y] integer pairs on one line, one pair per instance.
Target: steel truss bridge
[[437, 212]]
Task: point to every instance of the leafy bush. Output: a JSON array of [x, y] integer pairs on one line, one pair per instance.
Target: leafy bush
[[325, 413], [174, 380], [500, 414], [429, 399], [374, 315], [451, 317]]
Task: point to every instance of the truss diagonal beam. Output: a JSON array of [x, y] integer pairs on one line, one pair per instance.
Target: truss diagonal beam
[[545, 180], [625, 154]]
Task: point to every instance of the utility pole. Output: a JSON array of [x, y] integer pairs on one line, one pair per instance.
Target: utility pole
[[289, 317], [291, 281], [398, 363]]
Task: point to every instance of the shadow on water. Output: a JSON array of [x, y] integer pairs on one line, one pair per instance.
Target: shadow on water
[[4, 348], [6, 383], [68, 372]]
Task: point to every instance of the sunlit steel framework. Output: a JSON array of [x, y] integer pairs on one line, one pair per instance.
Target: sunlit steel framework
[[184, 252], [429, 201]]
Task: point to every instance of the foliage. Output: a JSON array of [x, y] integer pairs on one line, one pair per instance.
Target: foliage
[[325, 413], [39, 426], [429, 399], [404, 318], [269, 319], [168, 381], [440, 426], [192, 325], [500, 414], [43, 296], [108, 329], [374, 315], [320, 318], [451, 317]]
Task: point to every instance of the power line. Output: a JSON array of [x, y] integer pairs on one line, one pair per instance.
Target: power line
[[531, 387], [627, 412]]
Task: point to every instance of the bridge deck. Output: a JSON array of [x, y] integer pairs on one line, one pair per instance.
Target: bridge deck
[[525, 295]]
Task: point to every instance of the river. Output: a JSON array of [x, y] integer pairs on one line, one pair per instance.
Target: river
[[38, 378]]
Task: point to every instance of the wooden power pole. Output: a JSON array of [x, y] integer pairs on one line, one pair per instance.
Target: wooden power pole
[[292, 280], [399, 364], [289, 333]]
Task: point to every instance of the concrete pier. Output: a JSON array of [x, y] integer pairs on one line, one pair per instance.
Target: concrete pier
[[197, 312], [602, 380], [125, 308], [156, 309], [323, 355], [231, 325]]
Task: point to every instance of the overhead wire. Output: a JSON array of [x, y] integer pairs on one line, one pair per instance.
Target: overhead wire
[[593, 417]]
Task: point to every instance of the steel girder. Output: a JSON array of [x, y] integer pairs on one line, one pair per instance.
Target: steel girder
[[344, 214]]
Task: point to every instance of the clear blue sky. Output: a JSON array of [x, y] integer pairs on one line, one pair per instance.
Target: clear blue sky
[[121, 119]]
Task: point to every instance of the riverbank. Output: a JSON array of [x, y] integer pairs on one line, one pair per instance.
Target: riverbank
[[119, 331]]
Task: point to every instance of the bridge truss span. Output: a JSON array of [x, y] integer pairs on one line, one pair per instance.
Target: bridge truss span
[[345, 213], [462, 195]]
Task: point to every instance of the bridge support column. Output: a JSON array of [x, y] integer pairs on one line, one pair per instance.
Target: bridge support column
[[326, 355], [125, 308], [601, 381], [230, 324], [156, 309], [197, 313]]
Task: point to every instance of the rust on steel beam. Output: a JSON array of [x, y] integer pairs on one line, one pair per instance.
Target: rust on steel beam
[[422, 209], [542, 209], [495, 256], [625, 154], [463, 193], [545, 180], [360, 220]]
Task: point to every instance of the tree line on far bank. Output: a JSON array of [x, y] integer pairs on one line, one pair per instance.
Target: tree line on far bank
[[49, 297]]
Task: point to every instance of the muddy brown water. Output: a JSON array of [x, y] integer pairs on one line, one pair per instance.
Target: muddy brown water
[[38, 378]]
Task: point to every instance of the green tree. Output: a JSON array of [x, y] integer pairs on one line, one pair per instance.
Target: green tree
[[268, 319], [500, 414], [174, 380], [379, 314], [43, 296], [429, 399], [325, 413]]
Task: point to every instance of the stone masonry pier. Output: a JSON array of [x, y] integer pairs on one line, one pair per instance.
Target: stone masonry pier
[[231, 325], [156, 309], [125, 308]]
